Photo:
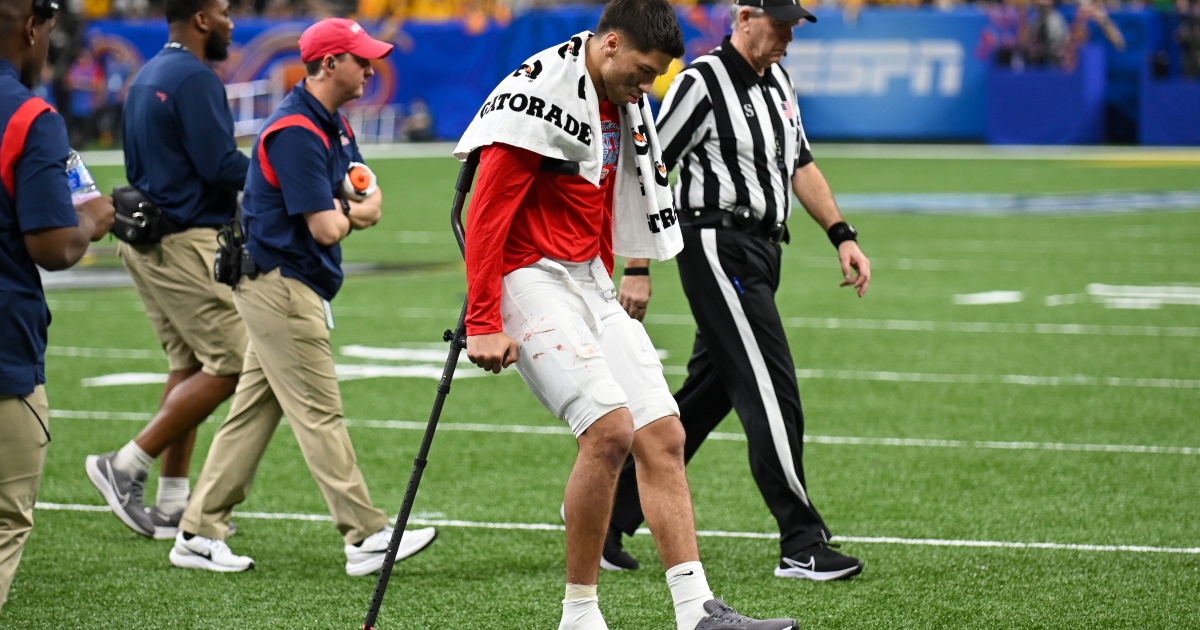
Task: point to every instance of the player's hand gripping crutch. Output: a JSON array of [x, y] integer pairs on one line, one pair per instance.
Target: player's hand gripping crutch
[[458, 341]]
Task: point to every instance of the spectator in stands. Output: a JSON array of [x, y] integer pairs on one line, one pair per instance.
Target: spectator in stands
[[1046, 40], [418, 125], [118, 70], [85, 82]]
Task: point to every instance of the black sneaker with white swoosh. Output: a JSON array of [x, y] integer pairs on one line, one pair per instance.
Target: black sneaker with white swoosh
[[819, 562]]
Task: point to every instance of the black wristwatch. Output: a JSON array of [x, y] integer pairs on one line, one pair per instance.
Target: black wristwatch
[[345, 207], [841, 232]]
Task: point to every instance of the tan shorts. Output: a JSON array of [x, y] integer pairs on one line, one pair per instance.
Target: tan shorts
[[192, 314], [578, 351]]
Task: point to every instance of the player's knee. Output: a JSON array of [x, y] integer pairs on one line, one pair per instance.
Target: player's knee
[[660, 442], [609, 438]]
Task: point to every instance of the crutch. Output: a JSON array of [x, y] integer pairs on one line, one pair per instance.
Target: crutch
[[458, 341]]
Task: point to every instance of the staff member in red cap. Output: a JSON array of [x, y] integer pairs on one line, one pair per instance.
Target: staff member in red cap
[[294, 216]]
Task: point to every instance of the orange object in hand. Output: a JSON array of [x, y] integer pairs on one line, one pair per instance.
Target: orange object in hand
[[360, 178], [359, 182]]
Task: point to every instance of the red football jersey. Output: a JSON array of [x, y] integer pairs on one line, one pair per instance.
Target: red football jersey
[[519, 215]]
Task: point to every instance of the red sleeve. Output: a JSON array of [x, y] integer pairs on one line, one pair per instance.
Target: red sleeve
[[505, 176]]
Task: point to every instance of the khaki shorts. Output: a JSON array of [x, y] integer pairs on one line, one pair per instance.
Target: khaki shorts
[[192, 314], [579, 352]]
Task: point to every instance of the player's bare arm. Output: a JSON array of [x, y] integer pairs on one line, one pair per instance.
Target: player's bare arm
[[634, 292], [815, 195]]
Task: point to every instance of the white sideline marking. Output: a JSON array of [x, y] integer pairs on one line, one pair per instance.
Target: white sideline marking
[[908, 325], [474, 427], [989, 297], [421, 352], [1142, 297], [355, 372], [547, 527], [125, 378], [831, 323], [997, 379], [99, 353], [344, 373]]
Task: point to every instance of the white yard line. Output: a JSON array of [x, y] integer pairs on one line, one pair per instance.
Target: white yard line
[[998, 379], [472, 427], [547, 527], [101, 353], [832, 323]]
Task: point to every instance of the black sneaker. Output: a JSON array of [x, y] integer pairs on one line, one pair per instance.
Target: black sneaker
[[122, 492], [722, 617], [167, 525], [819, 562], [614, 558]]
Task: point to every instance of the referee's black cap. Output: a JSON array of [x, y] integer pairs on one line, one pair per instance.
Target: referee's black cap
[[782, 10]]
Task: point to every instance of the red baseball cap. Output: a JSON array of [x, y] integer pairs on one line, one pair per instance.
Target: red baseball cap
[[334, 36]]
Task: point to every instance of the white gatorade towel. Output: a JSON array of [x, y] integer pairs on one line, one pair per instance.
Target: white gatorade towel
[[549, 106]]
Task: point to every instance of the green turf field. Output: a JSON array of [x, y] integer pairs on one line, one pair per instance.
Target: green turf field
[[939, 433]]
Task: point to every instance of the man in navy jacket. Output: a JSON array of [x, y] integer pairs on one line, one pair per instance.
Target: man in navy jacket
[[38, 226], [180, 153]]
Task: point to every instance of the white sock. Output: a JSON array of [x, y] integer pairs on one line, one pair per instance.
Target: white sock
[[131, 459], [172, 494], [689, 590], [581, 609]]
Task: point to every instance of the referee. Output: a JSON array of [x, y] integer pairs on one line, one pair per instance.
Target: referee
[[731, 124]]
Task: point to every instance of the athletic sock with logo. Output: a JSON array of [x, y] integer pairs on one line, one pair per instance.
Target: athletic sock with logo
[[689, 590], [581, 609], [172, 494], [131, 459]]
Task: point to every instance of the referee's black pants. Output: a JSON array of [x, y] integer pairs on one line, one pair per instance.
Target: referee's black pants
[[741, 361]]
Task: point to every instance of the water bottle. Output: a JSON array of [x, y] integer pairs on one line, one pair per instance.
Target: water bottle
[[83, 187]]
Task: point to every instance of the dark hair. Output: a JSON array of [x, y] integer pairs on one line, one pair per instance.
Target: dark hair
[[179, 10], [647, 24], [313, 68]]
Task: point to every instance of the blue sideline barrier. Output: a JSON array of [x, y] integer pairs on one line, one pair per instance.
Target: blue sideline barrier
[[1048, 106], [1170, 112], [915, 74]]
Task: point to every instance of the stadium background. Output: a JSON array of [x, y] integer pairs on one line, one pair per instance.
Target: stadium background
[[1005, 429]]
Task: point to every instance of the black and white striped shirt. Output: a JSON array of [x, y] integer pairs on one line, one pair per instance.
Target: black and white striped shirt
[[736, 136]]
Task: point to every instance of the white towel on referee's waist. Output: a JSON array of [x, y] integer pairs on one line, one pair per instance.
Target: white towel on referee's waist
[[549, 106]]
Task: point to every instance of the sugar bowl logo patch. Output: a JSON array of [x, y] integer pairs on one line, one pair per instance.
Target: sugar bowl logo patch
[[612, 145]]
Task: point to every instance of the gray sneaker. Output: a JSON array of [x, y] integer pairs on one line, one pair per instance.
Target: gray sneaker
[[123, 493], [167, 525], [722, 617]]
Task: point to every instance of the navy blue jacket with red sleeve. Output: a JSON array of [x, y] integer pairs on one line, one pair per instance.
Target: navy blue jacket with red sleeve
[[35, 197]]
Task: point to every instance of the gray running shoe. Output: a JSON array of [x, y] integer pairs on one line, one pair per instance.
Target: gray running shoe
[[123, 493], [722, 617], [167, 525]]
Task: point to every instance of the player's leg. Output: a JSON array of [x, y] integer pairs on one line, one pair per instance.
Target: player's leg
[[703, 404], [603, 447], [561, 361]]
